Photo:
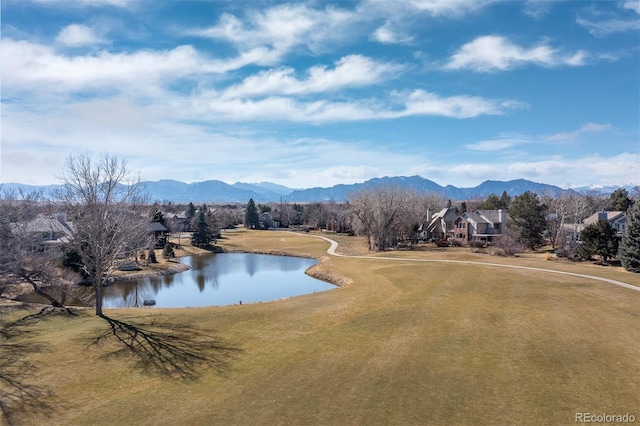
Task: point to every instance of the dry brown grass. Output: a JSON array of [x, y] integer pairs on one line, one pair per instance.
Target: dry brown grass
[[405, 343]]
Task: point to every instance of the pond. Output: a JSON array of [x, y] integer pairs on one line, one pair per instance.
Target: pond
[[220, 279]]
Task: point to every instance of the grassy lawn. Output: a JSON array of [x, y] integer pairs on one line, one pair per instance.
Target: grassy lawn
[[404, 343]]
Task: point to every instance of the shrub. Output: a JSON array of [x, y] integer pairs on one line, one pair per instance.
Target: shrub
[[152, 255], [167, 252], [585, 252]]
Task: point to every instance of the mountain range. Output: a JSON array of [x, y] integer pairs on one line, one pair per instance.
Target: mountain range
[[215, 191]]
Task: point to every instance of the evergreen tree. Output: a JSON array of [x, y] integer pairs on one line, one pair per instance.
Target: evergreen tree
[[156, 215], [493, 202], [201, 235], [251, 217], [152, 255], [167, 252], [629, 253], [619, 200], [191, 212], [505, 200], [527, 216], [600, 238]]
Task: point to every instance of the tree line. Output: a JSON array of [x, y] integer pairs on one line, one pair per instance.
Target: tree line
[[110, 217]]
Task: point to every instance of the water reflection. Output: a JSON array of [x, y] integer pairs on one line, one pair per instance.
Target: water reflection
[[220, 279]]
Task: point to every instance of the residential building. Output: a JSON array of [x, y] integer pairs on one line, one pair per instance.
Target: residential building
[[617, 220], [44, 232]]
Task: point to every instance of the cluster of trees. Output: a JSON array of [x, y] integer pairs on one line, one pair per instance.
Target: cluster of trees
[[107, 210], [329, 215], [387, 215]]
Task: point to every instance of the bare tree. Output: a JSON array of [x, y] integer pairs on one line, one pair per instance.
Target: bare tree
[[24, 257], [557, 210], [105, 209], [380, 212]]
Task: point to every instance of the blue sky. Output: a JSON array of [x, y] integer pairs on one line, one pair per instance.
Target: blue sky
[[319, 93]]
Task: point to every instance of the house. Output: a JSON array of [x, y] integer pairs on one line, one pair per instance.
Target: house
[[440, 226], [482, 225], [177, 222], [447, 224], [617, 220], [159, 233], [266, 221], [44, 232]]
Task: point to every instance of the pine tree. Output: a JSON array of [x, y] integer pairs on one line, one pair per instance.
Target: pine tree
[[527, 216], [629, 252], [167, 252], [600, 238], [201, 236], [191, 212], [152, 255], [251, 217], [619, 200]]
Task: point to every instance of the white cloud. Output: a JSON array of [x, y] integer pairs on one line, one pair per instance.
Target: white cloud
[[400, 104], [603, 23], [420, 102], [387, 35], [281, 28], [497, 53], [609, 26], [633, 5], [581, 170], [555, 170], [39, 68], [537, 9], [501, 143], [77, 35], [585, 129], [349, 71], [450, 8]]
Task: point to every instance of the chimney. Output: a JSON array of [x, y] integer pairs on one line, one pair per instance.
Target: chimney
[[602, 216], [428, 215]]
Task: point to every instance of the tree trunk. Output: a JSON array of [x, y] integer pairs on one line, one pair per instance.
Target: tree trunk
[[98, 288]]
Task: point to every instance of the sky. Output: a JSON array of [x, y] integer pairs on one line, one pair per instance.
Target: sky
[[318, 93]]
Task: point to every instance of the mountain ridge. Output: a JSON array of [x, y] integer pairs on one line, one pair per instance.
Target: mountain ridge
[[169, 190]]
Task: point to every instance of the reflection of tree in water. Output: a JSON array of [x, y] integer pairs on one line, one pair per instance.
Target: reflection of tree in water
[[206, 271], [251, 264], [168, 280], [156, 283], [128, 294], [168, 349], [201, 282]]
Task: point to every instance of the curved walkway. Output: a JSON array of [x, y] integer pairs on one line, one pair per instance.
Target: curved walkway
[[334, 245]]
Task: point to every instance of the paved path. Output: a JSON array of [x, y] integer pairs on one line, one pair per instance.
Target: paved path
[[334, 244]]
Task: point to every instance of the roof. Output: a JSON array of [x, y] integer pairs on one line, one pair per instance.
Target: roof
[[612, 217], [492, 216], [156, 227], [45, 224], [475, 217]]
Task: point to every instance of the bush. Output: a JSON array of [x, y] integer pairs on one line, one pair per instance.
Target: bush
[[152, 255], [167, 252], [585, 252]]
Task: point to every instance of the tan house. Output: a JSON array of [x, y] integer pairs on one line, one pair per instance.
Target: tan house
[[617, 220], [440, 226], [482, 225], [43, 232]]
